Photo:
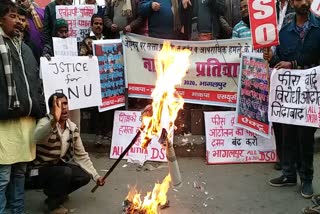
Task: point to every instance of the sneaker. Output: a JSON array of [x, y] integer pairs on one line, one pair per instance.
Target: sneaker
[[307, 190], [315, 209], [316, 199], [98, 140], [283, 181], [59, 210]]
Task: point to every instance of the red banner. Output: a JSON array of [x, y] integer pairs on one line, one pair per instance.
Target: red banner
[[263, 22]]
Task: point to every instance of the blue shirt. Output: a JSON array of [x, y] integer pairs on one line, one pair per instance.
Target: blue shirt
[[241, 30], [303, 51]]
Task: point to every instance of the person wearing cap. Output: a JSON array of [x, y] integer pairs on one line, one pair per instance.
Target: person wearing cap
[[61, 31]]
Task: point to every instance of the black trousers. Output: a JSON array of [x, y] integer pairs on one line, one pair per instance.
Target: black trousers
[[60, 180], [277, 128], [298, 148]]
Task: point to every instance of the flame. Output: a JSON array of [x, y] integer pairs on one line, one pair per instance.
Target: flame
[[171, 66], [152, 200]]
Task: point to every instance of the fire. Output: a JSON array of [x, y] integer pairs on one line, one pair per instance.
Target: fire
[[171, 66], [151, 201]]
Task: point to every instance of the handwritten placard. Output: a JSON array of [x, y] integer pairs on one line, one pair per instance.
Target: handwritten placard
[[125, 126], [65, 47], [295, 97], [112, 75], [78, 18], [252, 105], [227, 144], [315, 7], [76, 77]]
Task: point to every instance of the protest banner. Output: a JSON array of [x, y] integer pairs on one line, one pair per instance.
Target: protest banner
[[263, 23], [76, 77], [125, 126], [65, 47], [227, 144], [213, 73], [111, 69], [253, 95], [315, 7], [295, 97], [78, 18]]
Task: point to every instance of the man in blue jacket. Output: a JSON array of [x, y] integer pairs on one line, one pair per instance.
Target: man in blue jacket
[[299, 41]]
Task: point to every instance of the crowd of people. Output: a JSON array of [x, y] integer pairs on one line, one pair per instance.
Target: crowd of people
[[51, 143]]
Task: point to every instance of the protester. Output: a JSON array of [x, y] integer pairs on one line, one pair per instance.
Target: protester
[[99, 8], [20, 94], [299, 40], [25, 36], [207, 19], [62, 165], [163, 18], [95, 34], [35, 18], [61, 31], [122, 15], [242, 29]]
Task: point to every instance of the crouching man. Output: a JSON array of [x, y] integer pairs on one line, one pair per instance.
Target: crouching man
[[61, 165]]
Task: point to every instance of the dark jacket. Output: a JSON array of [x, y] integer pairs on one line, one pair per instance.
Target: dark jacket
[[135, 21], [303, 54], [216, 8], [49, 22], [26, 76]]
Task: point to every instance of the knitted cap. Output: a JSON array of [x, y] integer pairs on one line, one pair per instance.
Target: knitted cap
[[61, 23]]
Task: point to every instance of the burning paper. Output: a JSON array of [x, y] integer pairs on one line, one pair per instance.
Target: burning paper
[[150, 203]]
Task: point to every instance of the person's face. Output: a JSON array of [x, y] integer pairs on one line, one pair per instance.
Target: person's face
[[301, 7], [244, 8], [68, 2], [64, 109], [90, 1], [97, 26], [23, 21], [62, 32], [10, 24], [24, 3]]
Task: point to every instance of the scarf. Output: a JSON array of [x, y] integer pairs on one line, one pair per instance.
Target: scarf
[[126, 8], [176, 17], [13, 100], [36, 18]]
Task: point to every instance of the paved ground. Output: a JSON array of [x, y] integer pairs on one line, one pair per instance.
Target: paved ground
[[226, 189]]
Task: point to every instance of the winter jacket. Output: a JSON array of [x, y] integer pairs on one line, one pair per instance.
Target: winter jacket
[[26, 76]]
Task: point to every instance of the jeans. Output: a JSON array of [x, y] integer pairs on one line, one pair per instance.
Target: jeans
[[277, 127], [60, 180], [298, 146], [12, 182]]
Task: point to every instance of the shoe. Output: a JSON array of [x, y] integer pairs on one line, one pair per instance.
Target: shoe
[[315, 209], [316, 199], [277, 166], [306, 189], [59, 210], [98, 140], [283, 181]]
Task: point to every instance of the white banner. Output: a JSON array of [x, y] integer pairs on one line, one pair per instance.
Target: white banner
[[294, 97], [211, 79], [125, 126], [315, 7], [77, 77], [227, 144], [65, 47], [78, 18]]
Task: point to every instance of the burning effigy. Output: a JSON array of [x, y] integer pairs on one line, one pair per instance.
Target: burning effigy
[[158, 121]]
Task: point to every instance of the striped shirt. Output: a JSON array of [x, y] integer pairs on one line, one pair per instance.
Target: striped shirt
[[241, 30]]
